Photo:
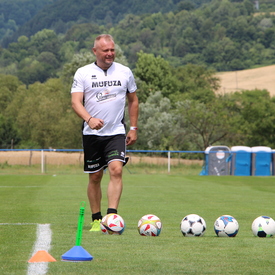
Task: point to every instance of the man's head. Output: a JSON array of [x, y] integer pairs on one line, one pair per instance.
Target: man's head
[[104, 50]]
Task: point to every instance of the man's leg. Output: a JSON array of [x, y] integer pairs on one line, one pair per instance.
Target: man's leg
[[94, 195], [115, 184]]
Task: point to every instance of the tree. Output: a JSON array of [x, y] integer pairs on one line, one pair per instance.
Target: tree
[[9, 85], [78, 60], [35, 71], [46, 40], [156, 124], [155, 75], [195, 82], [185, 5], [83, 31], [38, 112], [124, 32], [8, 134], [68, 131], [256, 117], [67, 51], [205, 124]]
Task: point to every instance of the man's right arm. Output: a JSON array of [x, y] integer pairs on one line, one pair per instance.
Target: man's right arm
[[77, 105]]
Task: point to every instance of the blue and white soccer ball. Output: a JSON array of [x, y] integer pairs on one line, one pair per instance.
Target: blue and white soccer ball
[[263, 226], [226, 226], [192, 225], [112, 224]]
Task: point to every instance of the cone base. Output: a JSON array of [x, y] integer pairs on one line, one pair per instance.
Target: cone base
[[41, 256], [76, 254]]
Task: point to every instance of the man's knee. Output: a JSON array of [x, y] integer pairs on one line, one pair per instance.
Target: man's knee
[[115, 168]]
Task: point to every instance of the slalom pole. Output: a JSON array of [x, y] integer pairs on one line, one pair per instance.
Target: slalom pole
[[80, 224]]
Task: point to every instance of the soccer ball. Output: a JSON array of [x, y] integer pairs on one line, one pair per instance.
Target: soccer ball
[[226, 226], [149, 225], [112, 224], [193, 225], [263, 226]]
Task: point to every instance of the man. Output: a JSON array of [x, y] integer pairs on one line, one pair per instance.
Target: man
[[99, 93]]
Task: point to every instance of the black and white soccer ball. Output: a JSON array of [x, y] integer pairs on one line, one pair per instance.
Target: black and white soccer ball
[[226, 226], [263, 226], [193, 225]]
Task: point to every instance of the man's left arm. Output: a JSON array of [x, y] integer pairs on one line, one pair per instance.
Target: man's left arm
[[133, 116]]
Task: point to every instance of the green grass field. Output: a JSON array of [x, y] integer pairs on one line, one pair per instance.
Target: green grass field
[[55, 200]]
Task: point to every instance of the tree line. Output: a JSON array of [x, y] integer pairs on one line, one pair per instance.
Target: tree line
[[221, 35], [174, 57], [178, 110], [26, 17]]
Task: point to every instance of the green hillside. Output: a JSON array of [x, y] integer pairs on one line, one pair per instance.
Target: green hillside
[[16, 13], [62, 14]]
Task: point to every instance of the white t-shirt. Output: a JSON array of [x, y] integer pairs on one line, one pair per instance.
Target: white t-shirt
[[105, 95]]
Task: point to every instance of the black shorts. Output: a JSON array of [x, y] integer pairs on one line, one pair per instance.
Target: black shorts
[[99, 151]]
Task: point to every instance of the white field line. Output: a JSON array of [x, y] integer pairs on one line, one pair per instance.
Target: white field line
[[13, 186], [31, 186], [18, 223], [43, 242]]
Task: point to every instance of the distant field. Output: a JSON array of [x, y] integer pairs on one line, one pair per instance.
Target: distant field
[[259, 78]]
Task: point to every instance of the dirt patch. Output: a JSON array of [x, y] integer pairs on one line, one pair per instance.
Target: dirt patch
[[259, 78], [36, 157], [76, 158], [162, 160]]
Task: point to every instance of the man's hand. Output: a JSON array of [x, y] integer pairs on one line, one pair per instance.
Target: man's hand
[[95, 123], [131, 137]]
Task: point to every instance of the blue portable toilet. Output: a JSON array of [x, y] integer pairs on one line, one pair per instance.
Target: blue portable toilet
[[241, 161], [261, 161], [216, 161]]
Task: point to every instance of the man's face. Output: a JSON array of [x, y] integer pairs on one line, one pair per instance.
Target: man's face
[[104, 51]]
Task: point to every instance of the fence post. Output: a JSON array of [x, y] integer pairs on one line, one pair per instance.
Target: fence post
[[169, 161], [42, 162]]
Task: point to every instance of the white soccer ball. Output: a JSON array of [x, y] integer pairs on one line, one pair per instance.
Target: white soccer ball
[[226, 226], [263, 226], [149, 225], [193, 225], [112, 224]]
